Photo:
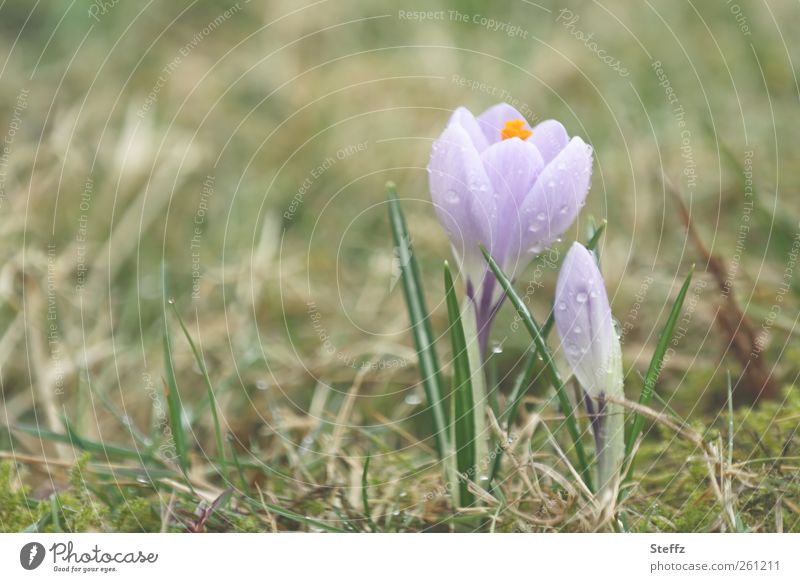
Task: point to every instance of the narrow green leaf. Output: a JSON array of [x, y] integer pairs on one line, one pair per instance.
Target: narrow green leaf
[[654, 370], [237, 463], [291, 515], [555, 379], [212, 399], [420, 321], [107, 450], [365, 494], [464, 417], [173, 396]]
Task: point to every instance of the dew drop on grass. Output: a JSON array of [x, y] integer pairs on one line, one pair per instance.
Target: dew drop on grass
[[262, 385], [413, 399]]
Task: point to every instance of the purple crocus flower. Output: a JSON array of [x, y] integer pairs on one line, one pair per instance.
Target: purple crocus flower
[[496, 181], [592, 348]]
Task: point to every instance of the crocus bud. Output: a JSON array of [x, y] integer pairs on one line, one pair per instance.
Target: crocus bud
[[498, 182], [592, 348]]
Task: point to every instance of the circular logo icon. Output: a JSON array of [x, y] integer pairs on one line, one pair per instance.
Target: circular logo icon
[[31, 555]]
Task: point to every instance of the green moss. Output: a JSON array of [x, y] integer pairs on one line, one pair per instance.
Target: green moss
[[80, 509], [135, 515], [17, 511]]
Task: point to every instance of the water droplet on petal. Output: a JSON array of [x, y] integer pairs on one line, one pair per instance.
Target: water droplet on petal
[[541, 216], [533, 228], [563, 209], [562, 306], [577, 329], [551, 184], [581, 297], [452, 196]]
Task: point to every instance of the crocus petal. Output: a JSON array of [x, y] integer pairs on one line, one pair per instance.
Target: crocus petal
[[557, 196], [493, 120], [583, 319], [463, 117], [512, 166], [461, 191], [550, 138]]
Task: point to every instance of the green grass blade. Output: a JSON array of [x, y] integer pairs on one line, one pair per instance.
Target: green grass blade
[[173, 396], [555, 379], [420, 321], [653, 371], [365, 495], [464, 417], [107, 450], [595, 232], [291, 515], [211, 397]]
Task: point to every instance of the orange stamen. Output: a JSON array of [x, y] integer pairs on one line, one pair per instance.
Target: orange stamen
[[515, 128]]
